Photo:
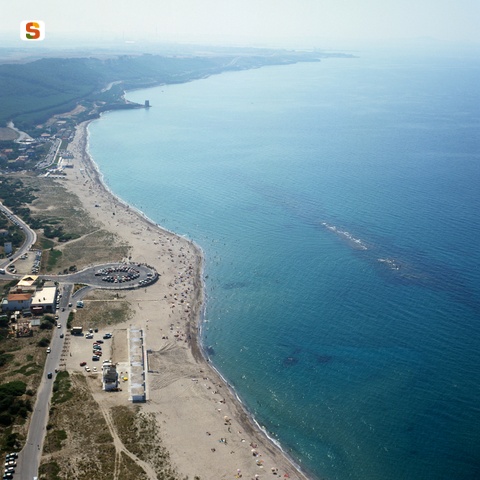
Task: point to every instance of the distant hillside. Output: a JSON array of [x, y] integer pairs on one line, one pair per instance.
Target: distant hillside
[[30, 93]]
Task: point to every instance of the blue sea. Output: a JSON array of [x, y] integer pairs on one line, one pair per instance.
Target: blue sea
[[338, 206]]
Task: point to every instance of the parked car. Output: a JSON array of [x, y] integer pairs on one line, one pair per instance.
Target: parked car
[[82, 364], [49, 350], [95, 358]]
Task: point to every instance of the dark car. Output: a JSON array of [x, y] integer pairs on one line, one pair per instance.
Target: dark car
[[95, 358], [83, 364], [49, 375], [61, 335]]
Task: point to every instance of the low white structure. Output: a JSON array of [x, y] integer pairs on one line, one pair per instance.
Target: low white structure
[[136, 343]]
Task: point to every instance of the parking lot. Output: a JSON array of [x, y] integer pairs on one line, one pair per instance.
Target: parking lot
[[111, 276], [89, 350], [83, 348]]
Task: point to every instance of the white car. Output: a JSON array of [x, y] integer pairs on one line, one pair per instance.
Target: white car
[[49, 350]]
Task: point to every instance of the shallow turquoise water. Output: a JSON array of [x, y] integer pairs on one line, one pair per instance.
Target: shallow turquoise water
[[337, 204]]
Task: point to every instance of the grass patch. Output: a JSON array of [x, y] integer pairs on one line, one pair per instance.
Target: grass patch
[[6, 358], [49, 471], [46, 244], [27, 369], [77, 287], [56, 439], [62, 388], [129, 469], [52, 258], [104, 437]]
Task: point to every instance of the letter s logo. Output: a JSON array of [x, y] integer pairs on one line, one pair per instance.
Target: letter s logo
[[32, 30]]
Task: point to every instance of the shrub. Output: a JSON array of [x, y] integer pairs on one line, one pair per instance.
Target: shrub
[[44, 342], [13, 389]]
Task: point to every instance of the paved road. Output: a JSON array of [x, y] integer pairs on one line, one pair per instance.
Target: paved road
[[30, 236], [29, 457]]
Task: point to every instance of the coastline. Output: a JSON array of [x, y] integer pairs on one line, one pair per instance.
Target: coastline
[[200, 414]]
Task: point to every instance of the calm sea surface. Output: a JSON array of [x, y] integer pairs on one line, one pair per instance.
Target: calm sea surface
[[338, 205]]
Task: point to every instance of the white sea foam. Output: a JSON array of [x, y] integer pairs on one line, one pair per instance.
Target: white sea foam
[[345, 235]]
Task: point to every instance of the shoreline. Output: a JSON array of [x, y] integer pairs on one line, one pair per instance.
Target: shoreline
[[91, 187]]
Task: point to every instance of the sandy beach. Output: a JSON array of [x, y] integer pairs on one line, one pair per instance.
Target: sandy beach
[[202, 424]]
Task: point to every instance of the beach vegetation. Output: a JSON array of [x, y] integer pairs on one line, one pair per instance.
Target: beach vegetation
[[11, 405], [70, 319], [140, 434], [79, 432], [49, 470], [5, 358], [51, 258], [27, 370], [43, 342], [62, 391]]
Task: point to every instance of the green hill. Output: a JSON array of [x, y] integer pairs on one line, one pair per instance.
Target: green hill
[[30, 93]]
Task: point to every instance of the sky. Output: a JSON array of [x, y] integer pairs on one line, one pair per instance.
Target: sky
[[288, 23]]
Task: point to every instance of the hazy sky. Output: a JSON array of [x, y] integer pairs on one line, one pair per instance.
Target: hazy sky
[[278, 22]]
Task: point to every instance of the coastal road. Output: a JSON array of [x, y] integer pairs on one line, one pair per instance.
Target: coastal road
[[30, 236], [29, 458]]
